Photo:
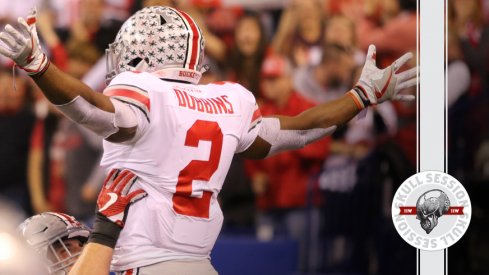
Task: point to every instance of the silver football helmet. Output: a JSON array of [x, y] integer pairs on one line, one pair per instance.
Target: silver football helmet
[[47, 233], [160, 40]]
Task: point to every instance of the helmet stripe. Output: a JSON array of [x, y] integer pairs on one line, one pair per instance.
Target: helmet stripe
[[67, 219], [185, 23], [196, 40]]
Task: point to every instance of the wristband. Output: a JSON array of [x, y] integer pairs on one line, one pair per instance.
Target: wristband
[[105, 232], [359, 97]]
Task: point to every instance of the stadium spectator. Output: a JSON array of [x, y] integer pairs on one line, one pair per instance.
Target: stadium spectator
[[468, 22], [458, 73], [341, 30], [247, 54], [328, 79], [16, 124], [88, 25], [286, 199], [300, 32], [398, 19]]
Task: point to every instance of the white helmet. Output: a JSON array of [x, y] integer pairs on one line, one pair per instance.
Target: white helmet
[[160, 40], [47, 231]]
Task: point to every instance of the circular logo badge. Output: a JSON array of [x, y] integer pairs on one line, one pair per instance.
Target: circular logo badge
[[431, 210]]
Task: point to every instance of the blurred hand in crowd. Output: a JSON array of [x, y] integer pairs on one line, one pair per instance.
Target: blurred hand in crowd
[[89, 192], [340, 30], [259, 183]]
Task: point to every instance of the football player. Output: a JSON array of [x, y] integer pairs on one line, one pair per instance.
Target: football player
[[57, 237], [60, 239], [177, 136]]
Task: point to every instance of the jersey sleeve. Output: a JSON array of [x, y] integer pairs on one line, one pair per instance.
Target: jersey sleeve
[[251, 120], [128, 87]]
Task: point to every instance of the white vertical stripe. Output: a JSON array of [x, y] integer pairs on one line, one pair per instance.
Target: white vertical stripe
[[188, 54], [432, 83], [432, 107], [446, 89], [189, 23]]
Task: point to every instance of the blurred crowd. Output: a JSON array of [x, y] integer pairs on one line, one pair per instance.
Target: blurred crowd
[[333, 197]]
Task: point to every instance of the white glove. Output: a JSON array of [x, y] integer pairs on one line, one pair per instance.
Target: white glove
[[376, 86], [21, 44]]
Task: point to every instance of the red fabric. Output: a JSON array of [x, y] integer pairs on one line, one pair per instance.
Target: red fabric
[[129, 94], [37, 137], [289, 173], [60, 56], [57, 188], [395, 38], [256, 115], [207, 3]]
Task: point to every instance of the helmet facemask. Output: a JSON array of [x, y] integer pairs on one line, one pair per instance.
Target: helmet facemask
[[61, 254]]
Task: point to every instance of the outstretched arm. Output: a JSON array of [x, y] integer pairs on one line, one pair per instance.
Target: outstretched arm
[[294, 132], [60, 88], [375, 86], [108, 118]]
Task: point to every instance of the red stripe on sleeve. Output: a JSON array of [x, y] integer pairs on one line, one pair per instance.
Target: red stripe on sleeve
[[256, 115], [129, 94]]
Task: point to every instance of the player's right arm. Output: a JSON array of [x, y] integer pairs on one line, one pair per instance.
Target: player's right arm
[[94, 260], [106, 117], [276, 134], [113, 204]]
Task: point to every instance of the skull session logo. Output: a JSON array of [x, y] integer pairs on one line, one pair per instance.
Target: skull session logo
[[431, 210]]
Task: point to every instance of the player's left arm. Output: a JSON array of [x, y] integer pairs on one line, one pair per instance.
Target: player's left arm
[[375, 86], [280, 133], [76, 100]]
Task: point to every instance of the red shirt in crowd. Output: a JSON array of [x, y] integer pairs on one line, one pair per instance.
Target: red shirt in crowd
[[290, 173]]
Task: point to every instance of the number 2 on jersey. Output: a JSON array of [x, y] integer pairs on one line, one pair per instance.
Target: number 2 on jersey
[[202, 170]]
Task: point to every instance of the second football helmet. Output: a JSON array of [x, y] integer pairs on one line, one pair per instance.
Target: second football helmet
[[46, 233]]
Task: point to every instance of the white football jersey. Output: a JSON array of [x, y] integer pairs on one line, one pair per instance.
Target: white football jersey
[[187, 137]]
